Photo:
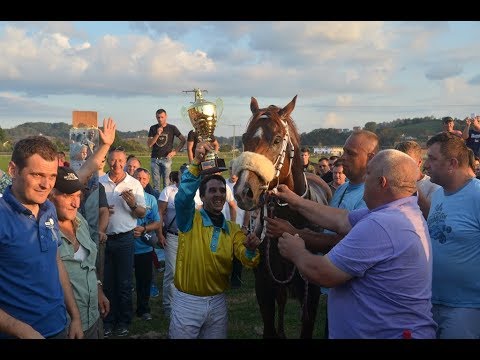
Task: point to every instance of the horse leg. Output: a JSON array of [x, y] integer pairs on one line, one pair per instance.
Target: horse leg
[[281, 295], [308, 323], [266, 301]]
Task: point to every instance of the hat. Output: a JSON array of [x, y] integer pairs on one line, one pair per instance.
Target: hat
[[447, 119], [67, 181]]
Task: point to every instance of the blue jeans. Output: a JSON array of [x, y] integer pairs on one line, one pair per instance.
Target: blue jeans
[[161, 168], [117, 284], [456, 323]]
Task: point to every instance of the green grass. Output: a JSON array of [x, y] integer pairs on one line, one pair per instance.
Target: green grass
[[245, 321]]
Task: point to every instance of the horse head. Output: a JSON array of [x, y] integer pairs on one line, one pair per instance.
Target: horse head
[[271, 155]]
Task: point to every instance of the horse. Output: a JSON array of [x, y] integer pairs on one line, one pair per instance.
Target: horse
[[271, 156]]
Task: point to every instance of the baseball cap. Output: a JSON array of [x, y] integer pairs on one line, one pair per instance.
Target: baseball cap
[[67, 181]]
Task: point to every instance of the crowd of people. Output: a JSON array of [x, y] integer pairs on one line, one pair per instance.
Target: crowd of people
[[397, 252]]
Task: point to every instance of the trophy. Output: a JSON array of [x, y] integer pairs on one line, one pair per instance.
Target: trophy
[[203, 117]]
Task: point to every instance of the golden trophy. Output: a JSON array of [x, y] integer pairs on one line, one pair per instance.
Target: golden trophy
[[203, 117]]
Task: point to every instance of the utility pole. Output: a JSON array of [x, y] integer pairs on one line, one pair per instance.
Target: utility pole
[[234, 142]]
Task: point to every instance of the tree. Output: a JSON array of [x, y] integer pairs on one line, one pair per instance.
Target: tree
[[370, 126], [3, 136]]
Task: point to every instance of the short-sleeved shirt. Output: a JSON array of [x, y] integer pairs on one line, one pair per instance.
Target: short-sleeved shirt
[[193, 136], [164, 143], [151, 215], [168, 195], [122, 219], [389, 256], [454, 226], [30, 289], [473, 141], [82, 273]]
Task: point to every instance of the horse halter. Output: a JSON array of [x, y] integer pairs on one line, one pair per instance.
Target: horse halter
[[278, 164]]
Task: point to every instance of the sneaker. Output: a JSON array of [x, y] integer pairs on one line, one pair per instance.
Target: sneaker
[[154, 291], [107, 332], [121, 331], [146, 317]]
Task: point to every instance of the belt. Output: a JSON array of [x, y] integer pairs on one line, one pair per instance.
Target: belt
[[115, 236], [172, 232], [160, 158]]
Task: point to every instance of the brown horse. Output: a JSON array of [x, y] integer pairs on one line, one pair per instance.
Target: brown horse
[[271, 157]]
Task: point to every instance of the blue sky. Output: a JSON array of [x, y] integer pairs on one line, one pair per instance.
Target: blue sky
[[345, 73]]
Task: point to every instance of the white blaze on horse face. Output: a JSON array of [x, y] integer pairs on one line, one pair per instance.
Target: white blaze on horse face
[[258, 133]]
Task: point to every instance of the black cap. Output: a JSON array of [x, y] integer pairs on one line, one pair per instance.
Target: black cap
[[67, 181]]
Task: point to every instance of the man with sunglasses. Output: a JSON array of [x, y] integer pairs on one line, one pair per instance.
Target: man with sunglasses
[[160, 139]]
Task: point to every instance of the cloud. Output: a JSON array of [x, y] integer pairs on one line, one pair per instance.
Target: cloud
[[443, 71]]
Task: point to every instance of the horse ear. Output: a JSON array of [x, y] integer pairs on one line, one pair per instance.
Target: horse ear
[[254, 105], [287, 110]]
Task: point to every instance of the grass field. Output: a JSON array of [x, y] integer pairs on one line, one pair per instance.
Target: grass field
[[245, 321]]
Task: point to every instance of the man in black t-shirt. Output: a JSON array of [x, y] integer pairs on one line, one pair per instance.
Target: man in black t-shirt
[[160, 139], [192, 141]]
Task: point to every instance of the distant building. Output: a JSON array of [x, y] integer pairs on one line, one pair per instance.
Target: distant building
[[328, 150]]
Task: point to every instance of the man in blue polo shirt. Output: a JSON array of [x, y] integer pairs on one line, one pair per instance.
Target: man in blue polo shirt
[[34, 286]]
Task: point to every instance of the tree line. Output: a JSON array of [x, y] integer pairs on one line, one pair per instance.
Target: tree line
[[391, 132]]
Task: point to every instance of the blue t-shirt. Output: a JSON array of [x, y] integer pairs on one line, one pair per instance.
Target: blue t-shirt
[[454, 226], [30, 288], [473, 141], [388, 254], [151, 215]]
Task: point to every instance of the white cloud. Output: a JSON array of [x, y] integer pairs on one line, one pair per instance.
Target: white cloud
[[334, 67]]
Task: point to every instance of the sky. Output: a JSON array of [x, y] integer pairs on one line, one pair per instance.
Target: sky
[[345, 73]]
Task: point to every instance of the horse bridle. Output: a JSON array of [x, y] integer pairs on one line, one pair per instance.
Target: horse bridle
[[279, 161]]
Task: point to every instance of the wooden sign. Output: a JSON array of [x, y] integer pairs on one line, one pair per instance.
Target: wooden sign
[[84, 119]]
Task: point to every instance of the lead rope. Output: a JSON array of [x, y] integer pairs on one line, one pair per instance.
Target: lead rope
[[269, 210]]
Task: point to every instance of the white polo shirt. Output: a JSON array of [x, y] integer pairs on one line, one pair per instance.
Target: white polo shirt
[[122, 219]]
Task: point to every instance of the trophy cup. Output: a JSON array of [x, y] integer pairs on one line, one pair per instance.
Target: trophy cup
[[203, 117]]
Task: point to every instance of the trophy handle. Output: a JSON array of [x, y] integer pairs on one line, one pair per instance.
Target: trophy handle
[[219, 105]]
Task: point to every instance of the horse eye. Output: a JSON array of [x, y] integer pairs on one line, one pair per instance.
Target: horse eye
[[277, 140]]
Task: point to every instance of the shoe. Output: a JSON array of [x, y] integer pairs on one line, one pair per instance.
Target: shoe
[[154, 292], [107, 332], [121, 331], [146, 317]]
